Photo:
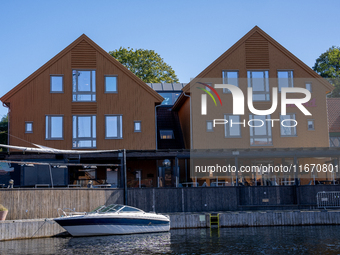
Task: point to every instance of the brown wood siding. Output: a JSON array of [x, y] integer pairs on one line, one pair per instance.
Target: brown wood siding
[[84, 108], [278, 60], [83, 56], [34, 101], [257, 53], [132, 102]]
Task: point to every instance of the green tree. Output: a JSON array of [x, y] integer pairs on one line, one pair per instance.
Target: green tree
[[3, 130], [328, 66], [145, 64]]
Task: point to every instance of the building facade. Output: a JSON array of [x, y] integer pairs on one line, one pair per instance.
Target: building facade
[[260, 64], [256, 61], [83, 99], [333, 109]]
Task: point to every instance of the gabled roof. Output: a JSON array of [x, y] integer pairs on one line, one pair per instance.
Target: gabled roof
[[333, 110], [81, 38], [274, 43]]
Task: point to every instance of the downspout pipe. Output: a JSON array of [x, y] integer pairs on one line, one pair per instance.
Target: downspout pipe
[[156, 124], [8, 114], [329, 140], [125, 178], [191, 143]]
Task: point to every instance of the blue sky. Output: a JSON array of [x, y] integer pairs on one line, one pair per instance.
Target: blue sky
[[188, 35]]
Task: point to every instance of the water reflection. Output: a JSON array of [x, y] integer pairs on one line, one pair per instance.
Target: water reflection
[[262, 240]]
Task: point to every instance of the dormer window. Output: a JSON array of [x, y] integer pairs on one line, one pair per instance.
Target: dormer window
[[84, 85]]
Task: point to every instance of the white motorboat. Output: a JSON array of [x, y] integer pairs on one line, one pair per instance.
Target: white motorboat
[[112, 220]]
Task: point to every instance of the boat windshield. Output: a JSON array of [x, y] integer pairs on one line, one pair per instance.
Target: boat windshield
[[110, 208], [130, 209], [107, 209], [97, 209], [115, 208]]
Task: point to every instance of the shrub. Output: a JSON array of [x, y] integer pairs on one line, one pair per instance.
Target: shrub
[[2, 208]]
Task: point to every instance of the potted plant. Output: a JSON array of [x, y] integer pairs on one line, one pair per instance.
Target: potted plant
[[3, 212]]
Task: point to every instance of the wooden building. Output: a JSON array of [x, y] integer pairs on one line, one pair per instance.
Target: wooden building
[[255, 55], [258, 62], [83, 99], [333, 109]]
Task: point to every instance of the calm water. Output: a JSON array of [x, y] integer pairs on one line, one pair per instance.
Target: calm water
[[263, 240]]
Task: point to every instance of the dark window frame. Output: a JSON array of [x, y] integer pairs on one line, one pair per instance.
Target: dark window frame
[[227, 126], [311, 86], [62, 83], [75, 87], [105, 88], [290, 78], [266, 91], [140, 126], [212, 127], [26, 123], [48, 127], [268, 136], [225, 79], [166, 130], [293, 129], [92, 138], [311, 129], [119, 126]]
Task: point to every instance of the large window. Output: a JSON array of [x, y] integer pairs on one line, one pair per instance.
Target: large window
[[84, 131], [113, 126], [54, 127], [233, 127], [84, 85], [110, 84], [260, 130], [259, 81], [56, 84], [230, 77], [288, 125], [285, 79]]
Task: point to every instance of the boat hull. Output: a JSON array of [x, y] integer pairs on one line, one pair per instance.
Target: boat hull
[[96, 230], [90, 226]]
